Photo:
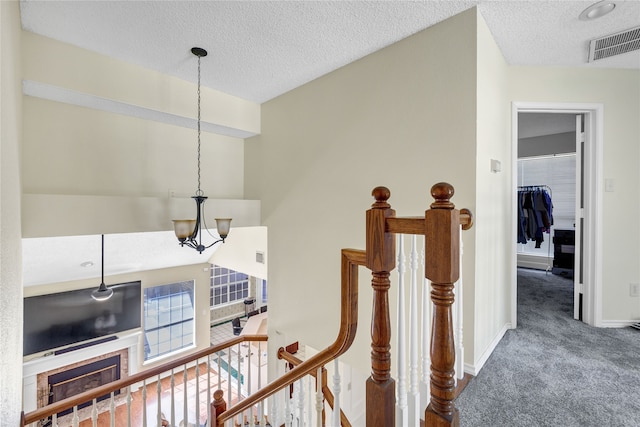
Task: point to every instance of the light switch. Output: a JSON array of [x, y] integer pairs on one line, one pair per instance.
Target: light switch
[[496, 166]]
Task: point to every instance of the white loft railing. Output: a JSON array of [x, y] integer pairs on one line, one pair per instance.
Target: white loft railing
[[181, 392]]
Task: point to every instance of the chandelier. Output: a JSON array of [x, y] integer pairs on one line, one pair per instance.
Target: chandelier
[[189, 231]]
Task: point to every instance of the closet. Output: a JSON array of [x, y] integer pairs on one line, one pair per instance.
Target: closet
[[546, 174]]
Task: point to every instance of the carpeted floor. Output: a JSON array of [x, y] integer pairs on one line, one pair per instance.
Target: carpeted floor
[[553, 370]]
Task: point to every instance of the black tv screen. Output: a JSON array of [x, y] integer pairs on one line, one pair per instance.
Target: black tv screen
[[60, 319]]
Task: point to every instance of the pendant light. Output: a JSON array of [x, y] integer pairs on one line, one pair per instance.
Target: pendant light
[[189, 231], [102, 293]]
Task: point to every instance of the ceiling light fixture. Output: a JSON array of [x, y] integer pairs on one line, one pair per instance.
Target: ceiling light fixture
[[597, 10], [102, 293], [189, 231]]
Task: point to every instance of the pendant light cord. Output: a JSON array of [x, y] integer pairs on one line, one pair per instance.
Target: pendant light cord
[[199, 192]]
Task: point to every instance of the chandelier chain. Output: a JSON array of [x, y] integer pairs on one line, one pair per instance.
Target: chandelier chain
[[199, 192]]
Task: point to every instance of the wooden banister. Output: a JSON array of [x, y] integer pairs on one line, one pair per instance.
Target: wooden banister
[[351, 259], [87, 396]]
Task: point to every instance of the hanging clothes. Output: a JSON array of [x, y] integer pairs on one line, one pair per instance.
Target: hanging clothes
[[535, 214]]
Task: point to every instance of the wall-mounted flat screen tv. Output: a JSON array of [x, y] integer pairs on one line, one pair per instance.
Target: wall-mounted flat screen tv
[[56, 320]]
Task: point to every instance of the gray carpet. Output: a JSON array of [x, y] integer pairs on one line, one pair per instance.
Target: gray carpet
[[553, 370]]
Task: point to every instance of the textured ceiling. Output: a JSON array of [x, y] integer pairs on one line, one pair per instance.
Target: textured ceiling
[[261, 49]]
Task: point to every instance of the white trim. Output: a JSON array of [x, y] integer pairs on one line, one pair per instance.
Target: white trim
[[616, 323], [594, 116], [478, 364]]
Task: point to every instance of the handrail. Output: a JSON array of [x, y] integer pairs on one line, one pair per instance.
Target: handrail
[[326, 391], [87, 396], [351, 259]]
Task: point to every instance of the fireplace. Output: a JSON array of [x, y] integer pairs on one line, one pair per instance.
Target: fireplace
[[83, 378], [36, 371], [75, 378]]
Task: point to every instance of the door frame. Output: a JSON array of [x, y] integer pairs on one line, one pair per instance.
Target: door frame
[[592, 230]]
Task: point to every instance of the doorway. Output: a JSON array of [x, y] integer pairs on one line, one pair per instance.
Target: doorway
[[587, 220]]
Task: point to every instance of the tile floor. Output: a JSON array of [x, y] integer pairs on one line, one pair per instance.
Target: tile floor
[[223, 332]]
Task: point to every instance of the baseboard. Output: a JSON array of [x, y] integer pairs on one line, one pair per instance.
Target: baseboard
[[477, 366], [617, 323]]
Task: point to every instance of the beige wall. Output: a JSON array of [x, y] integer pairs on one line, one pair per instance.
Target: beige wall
[[10, 246], [403, 117], [75, 156], [491, 293], [619, 92], [199, 273]]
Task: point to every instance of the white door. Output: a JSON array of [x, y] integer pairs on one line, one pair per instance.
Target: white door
[[578, 277]]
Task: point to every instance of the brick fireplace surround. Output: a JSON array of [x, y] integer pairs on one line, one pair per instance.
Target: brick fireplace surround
[[37, 371]]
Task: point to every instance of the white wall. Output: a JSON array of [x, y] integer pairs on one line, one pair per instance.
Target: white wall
[[239, 251], [10, 246], [619, 92], [403, 117]]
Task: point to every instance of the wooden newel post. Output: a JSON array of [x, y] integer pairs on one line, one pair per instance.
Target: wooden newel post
[[442, 268], [380, 259], [218, 406]]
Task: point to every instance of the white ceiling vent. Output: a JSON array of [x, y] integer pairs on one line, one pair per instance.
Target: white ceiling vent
[[615, 44]]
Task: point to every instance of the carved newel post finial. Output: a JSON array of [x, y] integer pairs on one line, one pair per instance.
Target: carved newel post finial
[[381, 194], [442, 192], [218, 406]]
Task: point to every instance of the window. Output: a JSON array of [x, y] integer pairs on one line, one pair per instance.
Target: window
[[262, 284], [227, 286], [168, 318]]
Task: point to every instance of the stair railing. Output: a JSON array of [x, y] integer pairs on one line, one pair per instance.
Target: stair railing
[[350, 261], [180, 370]]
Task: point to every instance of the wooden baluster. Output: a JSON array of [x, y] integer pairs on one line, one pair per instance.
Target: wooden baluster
[[442, 229], [380, 259]]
